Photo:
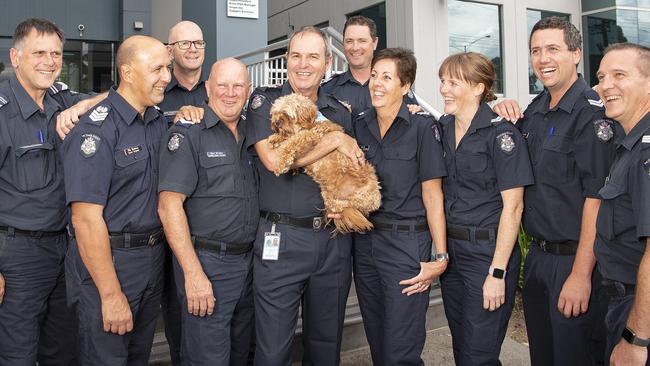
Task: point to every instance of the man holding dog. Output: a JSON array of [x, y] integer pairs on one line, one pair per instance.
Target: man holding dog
[[310, 267]]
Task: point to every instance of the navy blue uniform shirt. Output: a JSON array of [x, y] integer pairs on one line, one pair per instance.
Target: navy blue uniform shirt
[[177, 96], [111, 159], [291, 194], [409, 154], [491, 157], [349, 91], [571, 149], [31, 175], [216, 174], [624, 217]]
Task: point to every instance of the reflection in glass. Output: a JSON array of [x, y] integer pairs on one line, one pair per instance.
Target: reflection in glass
[[6, 71], [88, 67], [476, 27], [532, 17]]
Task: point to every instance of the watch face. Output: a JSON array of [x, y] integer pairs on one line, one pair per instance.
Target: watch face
[[498, 273], [632, 338]]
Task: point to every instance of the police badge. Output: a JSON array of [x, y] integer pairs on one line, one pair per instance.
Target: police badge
[[175, 141], [604, 130], [257, 101], [89, 144], [506, 143]]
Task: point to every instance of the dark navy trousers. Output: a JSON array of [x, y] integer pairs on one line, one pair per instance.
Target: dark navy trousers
[[224, 337], [395, 324], [314, 269], [554, 339], [171, 310], [140, 272], [618, 310], [35, 322], [477, 334]]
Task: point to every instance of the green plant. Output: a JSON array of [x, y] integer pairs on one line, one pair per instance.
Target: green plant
[[524, 244]]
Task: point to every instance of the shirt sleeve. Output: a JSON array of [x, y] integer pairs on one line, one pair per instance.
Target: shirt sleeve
[[641, 192], [593, 154], [88, 164], [430, 154], [178, 168], [510, 155]]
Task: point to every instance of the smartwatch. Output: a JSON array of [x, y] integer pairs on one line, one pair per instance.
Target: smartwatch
[[440, 257], [497, 272], [631, 338]]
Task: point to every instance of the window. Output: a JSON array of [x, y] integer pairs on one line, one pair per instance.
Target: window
[[476, 27], [6, 71], [532, 17], [88, 67]]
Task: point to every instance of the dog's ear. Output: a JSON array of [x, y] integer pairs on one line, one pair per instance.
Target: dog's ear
[[282, 125]]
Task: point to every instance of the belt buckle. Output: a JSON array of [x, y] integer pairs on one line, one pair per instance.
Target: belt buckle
[[152, 240], [542, 244], [317, 223]]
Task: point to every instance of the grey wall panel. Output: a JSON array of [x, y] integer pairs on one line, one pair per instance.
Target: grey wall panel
[[164, 14]]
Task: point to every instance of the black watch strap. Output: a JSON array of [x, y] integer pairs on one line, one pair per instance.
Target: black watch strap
[[631, 338]]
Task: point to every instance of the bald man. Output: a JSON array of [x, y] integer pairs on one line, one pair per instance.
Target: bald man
[[208, 207], [115, 261]]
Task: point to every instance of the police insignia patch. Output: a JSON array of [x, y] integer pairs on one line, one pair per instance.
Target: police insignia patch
[[646, 166], [506, 143], [604, 130], [89, 144], [257, 101], [175, 141], [436, 132]]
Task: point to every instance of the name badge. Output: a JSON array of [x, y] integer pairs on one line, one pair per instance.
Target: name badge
[[216, 154], [132, 150], [271, 250]]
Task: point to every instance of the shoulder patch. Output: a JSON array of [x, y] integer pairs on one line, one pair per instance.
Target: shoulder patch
[[506, 142], [99, 114], [175, 141], [603, 129], [3, 100], [257, 101], [89, 144]]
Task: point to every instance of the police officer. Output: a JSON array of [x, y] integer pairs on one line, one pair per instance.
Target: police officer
[[488, 164], [115, 263], [623, 226], [405, 149], [187, 49], [309, 266], [208, 207], [35, 323], [570, 145]]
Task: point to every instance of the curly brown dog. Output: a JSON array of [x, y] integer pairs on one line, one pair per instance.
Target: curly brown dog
[[348, 190]]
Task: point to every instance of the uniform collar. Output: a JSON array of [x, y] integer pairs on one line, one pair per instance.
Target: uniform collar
[[174, 84], [324, 100], [482, 118], [210, 118], [126, 110], [636, 133], [347, 77], [27, 105], [403, 114], [568, 100]]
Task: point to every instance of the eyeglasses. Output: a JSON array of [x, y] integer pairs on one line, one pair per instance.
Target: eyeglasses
[[184, 45]]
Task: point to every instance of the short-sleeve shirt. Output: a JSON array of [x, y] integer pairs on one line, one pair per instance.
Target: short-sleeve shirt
[[348, 90], [291, 194], [623, 224], [214, 171], [409, 153], [491, 157], [111, 159], [177, 96], [571, 149], [31, 175]]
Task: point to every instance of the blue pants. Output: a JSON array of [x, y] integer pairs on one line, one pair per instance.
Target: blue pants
[[395, 324], [618, 310], [35, 322], [313, 269], [477, 334], [554, 339], [208, 340], [171, 309], [140, 272]]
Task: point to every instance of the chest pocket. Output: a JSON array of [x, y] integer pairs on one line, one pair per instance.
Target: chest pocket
[[610, 193], [219, 168], [135, 161], [34, 166], [556, 160]]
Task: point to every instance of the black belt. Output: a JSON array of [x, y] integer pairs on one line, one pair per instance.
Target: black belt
[[390, 225], [618, 289], [128, 240], [222, 247], [464, 233], [315, 223], [35, 234], [569, 247]]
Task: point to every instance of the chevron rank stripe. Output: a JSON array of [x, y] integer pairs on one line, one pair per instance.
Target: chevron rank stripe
[[97, 116], [597, 103]]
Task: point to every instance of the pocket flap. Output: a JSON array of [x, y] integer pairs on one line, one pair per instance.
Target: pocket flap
[[128, 156], [559, 144], [22, 150], [400, 152]]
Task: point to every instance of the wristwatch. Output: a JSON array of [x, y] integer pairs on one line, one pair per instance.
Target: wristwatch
[[631, 338], [440, 257], [497, 272]]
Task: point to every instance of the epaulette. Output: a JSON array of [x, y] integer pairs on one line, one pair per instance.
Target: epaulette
[[58, 87], [345, 104], [423, 113], [593, 98], [157, 108], [184, 123], [334, 76], [99, 114], [242, 116], [3, 100], [496, 120]]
